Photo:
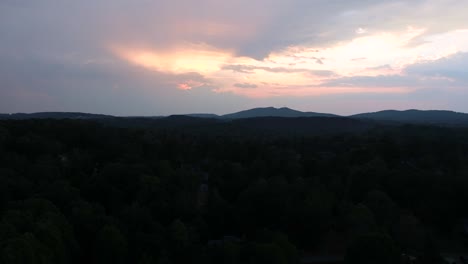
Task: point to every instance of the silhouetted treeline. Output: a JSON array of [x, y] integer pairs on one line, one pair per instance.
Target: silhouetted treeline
[[76, 191]]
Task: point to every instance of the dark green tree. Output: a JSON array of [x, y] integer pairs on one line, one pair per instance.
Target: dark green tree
[[372, 248], [111, 245]]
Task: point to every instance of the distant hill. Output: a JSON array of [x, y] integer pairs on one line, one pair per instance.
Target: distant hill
[[274, 112], [203, 115], [433, 117], [417, 116], [53, 115]]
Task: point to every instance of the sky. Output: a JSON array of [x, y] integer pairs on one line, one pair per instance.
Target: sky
[[160, 57]]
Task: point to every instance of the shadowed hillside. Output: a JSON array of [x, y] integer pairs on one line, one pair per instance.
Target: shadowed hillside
[[273, 112], [435, 117], [418, 116]]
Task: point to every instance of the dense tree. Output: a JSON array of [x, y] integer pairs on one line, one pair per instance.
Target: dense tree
[[410, 234], [75, 191], [111, 245], [372, 248], [383, 208]]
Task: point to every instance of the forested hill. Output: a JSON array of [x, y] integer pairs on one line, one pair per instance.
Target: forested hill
[[417, 116], [53, 115], [433, 117], [274, 112]]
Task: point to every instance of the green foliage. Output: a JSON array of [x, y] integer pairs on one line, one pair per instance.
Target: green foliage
[[178, 233], [7, 231], [382, 207], [4, 134], [36, 227], [267, 254], [77, 191], [231, 253], [431, 254], [25, 249], [372, 248], [410, 234], [111, 245], [289, 250], [360, 220]]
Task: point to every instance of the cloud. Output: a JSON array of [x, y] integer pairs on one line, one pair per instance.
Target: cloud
[[380, 67], [245, 85], [199, 58], [359, 59], [131, 56], [247, 28], [441, 74], [322, 73], [250, 69], [454, 66], [374, 81], [111, 87]]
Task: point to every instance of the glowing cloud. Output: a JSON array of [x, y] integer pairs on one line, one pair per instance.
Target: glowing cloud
[[201, 58], [303, 70], [189, 85]]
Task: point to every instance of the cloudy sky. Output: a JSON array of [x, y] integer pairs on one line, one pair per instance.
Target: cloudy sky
[[157, 57]]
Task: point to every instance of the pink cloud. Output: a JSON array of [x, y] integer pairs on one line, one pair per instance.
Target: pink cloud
[[190, 84]]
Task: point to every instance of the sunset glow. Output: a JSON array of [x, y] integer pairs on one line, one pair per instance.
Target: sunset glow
[[294, 53], [298, 70], [196, 59]]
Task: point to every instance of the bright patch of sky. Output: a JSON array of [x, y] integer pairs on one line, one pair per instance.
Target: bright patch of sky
[[161, 57]]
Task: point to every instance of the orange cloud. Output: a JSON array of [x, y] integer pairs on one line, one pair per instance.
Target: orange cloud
[[184, 86], [194, 58], [297, 70], [189, 85]]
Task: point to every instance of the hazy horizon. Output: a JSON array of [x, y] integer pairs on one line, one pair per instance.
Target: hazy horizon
[[221, 114], [149, 58]]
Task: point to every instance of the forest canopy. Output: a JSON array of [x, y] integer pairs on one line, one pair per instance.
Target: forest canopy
[[77, 191]]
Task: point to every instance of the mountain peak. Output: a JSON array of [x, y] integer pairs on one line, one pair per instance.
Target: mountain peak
[[273, 112]]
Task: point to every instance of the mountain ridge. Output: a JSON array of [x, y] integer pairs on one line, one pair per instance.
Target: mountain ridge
[[274, 112], [54, 115], [441, 117], [416, 116]]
